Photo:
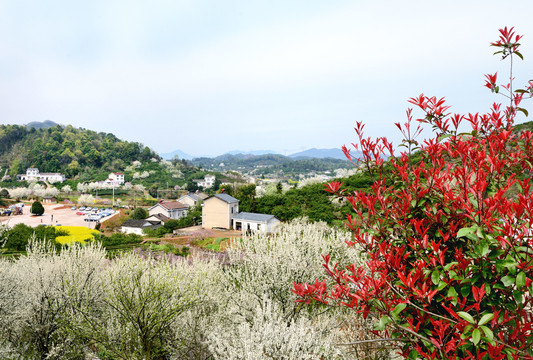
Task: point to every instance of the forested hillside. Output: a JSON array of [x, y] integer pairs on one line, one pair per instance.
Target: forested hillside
[[67, 150], [269, 164]]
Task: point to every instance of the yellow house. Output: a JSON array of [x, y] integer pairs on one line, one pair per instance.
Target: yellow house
[[218, 211]]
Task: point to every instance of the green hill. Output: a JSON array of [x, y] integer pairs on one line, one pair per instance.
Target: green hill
[[66, 149]]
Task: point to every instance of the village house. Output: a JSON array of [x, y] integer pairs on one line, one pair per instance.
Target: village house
[[207, 182], [218, 211], [158, 217], [132, 226], [255, 222], [33, 174], [190, 199], [171, 209], [115, 179]]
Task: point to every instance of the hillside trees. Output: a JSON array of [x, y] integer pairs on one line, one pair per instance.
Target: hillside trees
[[449, 267]]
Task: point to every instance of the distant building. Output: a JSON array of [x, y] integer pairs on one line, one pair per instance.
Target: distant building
[[33, 174], [190, 199], [218, 211], [255, 222], [207, 182], [132, 226], [115, 179], [171, 209]]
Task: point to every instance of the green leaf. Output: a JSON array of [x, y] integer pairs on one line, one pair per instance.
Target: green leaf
[[382, 323], [399, 308], [452, 294], [518, 296], [476, 336], [488, 333], [465, 231], [442, 285], [508, 280], [523, 110], [520, 280], [486, 318], [435, 277], [519, 55], [466, 316]]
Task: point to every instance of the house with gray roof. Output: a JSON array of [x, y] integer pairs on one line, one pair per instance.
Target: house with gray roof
[[132, 226], [247, 222], [218, 211]]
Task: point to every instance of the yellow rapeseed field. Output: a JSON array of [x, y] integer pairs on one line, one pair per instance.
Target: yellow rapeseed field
[[76, 233]]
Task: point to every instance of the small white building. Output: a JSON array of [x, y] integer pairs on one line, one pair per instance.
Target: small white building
[[132, 226], [207, 182], [35, 175], [115, 179], [171, 209], [255, 222]]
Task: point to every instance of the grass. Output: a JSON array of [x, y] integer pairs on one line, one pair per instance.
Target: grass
[[215, 244], [79, 234]]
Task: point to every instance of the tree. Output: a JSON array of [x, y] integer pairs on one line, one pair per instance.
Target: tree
[[37, 208], [449, 269], [139, 213]]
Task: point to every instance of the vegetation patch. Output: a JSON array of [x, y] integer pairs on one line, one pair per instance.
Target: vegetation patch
[[76, 234]]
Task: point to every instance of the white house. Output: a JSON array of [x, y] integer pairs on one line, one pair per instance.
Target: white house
[[218, 211], [255, 222], [132, 226], [171, 209], [34, 174], [115, 179], [190, 199], [207, 182]]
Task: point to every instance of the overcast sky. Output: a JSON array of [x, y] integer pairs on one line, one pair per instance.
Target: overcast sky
[[207, 77]]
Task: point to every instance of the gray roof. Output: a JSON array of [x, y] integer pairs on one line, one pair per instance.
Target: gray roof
[[133, 223], [225, 197], [191, 195], [254, 217]]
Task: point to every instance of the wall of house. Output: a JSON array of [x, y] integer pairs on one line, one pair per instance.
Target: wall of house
[[130, 230], [217, 213], [187, 201]]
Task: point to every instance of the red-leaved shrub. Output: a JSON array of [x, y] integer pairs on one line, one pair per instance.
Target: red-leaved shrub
[[447, 231]]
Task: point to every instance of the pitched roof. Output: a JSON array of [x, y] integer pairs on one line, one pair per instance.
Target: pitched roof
[[225, 197], [191, 195], [140, 223], [136, 223], [160, 216], [171, 205], [254, 217]]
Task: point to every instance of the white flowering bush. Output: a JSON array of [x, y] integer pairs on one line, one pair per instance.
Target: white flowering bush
[[38, 292], [62, 305], [86, 199], [20, 193]]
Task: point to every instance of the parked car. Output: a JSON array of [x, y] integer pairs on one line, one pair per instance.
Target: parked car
[[80, 213], [92, 218], [82, 208], [88, 208]]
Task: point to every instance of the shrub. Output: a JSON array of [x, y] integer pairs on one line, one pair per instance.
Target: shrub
[[37, 208], [447, 238]]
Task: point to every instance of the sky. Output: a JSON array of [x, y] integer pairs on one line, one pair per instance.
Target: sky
[[208, 77]]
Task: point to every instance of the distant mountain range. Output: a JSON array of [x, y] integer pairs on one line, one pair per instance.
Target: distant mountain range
[[307, 154], [41, 124], [178, 153]]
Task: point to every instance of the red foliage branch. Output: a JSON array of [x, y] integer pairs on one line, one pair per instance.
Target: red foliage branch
[[447, 236]]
